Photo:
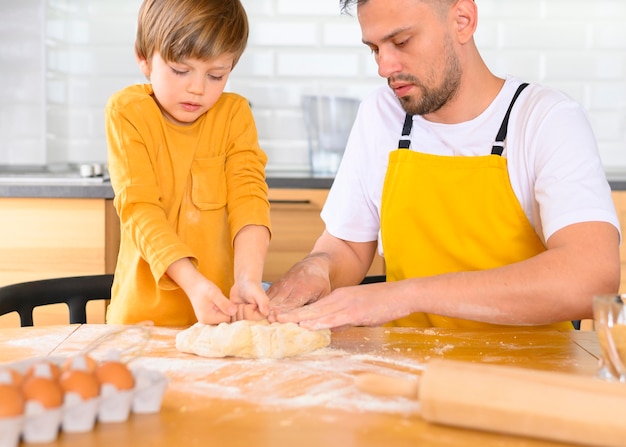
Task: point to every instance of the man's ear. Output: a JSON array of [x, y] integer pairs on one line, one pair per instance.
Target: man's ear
[[144, 65], [465, 15]]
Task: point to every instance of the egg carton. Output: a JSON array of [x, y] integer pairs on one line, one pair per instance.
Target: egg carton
[[41, 425]]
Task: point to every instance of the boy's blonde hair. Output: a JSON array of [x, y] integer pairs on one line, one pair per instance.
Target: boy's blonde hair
[[198, 29]]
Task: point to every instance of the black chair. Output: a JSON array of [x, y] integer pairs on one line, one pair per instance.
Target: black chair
[[74, 291], [374, 278]]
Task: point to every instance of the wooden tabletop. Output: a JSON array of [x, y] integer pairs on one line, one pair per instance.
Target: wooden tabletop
[[303, 401]]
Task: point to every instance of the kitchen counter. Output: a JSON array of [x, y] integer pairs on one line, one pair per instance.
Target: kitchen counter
[[617, 178], [68, 190], [103, 190], [313, 399], [278, 180]]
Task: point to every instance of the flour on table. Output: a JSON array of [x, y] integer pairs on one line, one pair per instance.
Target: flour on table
[[250, 339]]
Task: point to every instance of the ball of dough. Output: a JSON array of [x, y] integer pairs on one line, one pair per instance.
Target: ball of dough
[[251, 339]]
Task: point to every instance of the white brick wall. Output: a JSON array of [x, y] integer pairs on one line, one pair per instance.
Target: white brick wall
[[51, 107]]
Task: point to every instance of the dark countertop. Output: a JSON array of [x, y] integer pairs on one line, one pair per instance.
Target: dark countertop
[[70, 190], [617, 178], [618, 185], [103, 190]]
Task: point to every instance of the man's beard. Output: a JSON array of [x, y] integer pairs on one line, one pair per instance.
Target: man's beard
[[432, 99]]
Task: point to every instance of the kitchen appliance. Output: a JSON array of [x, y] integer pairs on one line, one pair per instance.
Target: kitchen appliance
[[328, 121]]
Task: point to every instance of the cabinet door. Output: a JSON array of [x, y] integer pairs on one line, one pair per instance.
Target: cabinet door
[[45, 238], [296, 225], [619, 199]]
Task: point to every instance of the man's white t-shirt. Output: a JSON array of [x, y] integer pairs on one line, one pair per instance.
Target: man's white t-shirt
[[553, 160]]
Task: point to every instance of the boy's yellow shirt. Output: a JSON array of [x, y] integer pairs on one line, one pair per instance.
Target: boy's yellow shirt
[[180, 191]]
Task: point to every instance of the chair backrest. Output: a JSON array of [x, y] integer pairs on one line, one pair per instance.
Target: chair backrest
[[74, 291], [374, 278]]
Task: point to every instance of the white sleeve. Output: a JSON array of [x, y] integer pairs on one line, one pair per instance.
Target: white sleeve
[[570, 184]]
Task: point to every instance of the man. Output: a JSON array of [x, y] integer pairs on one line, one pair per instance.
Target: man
[[486, 197]]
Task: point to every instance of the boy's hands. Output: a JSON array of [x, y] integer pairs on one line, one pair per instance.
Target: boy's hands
[[251, 301], [248, 300], [207, 300], [209, 304]]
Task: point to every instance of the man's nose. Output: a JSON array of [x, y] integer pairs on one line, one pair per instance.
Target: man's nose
[[388, 63]]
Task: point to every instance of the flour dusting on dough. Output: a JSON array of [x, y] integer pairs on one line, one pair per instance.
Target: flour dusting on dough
[[251, 339]]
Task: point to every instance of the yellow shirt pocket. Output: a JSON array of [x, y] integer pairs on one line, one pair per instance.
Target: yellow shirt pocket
[[208, 183]]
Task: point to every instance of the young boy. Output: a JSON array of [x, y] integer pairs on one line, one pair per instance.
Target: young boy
[[188, 173]]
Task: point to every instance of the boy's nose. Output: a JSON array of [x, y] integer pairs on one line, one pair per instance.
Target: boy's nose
[[196, 85]]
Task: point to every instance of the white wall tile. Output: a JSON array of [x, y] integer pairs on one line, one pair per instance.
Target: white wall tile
[[344, 33], [258, 8], [612, 153], [607, 125], [598, 65], [270, 95], [255, 63], [524, 64], [608, 95], [316, 64], [511, 9], [585, 9], [609, 35], [296, 47], [22, 80], [281, 34], [539, 35], [306, 7]]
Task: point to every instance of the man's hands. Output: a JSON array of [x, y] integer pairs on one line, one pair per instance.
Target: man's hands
[[333, 264], [304, 283], [352, 306]]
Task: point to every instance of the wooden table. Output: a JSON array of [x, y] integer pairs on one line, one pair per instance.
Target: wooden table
[[304, 401]]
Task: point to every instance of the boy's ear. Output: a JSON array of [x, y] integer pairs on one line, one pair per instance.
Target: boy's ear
[[144, 65]]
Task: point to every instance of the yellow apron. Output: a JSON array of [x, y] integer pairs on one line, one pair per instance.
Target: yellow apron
[[442, 214]]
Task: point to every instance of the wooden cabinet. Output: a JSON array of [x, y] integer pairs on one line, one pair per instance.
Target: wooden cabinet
[[619, 198], [45, 238], [296, 225]]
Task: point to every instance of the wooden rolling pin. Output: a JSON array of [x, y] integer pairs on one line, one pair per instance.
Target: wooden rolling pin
[[539, 404]]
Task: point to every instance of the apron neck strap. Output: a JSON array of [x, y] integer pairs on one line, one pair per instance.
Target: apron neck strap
[[498, 145], [405, 142]]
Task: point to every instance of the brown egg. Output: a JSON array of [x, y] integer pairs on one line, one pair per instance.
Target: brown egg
[[81, 361], [44, 390], [79, 381], [116, 373], [12, 402]]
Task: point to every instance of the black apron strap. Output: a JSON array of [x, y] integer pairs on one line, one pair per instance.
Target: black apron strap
[[498, 145], [405, 143]]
